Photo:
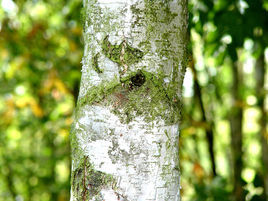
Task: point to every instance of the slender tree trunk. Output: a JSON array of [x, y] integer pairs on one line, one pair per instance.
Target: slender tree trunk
[[208, 128], [125, 133], [260, 89], [236, 116]]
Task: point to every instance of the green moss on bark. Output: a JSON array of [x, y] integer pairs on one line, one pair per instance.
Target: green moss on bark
[[98, 93], [139, 94], [122, 54]]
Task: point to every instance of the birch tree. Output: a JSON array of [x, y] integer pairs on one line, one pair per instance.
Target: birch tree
[[126, 129]]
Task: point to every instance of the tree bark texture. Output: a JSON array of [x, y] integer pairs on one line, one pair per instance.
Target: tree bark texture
[[126, 129]]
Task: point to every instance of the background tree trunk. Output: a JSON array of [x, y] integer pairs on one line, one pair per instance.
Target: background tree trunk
[[125, 133], [260, 90], [208, 128], [236, 117]]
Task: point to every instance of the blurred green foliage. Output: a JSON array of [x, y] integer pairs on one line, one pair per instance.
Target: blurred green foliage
[[40, 55], [223, 33]]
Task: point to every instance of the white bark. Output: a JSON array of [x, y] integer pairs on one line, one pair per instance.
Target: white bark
[[126, 129]]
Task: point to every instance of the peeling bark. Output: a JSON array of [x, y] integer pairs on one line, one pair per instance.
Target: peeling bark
[[126, 129]]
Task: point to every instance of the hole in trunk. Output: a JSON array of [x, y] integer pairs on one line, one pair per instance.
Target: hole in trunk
[[137, 80]]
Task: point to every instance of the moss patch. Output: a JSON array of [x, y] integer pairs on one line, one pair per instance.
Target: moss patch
[[122, 54], [139, 94], [97, 93], [144, 95], [88, 182]]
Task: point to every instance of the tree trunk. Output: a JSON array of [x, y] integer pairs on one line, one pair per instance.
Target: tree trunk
[[236, 116], [260, 90], [125, 133], [208, 128]]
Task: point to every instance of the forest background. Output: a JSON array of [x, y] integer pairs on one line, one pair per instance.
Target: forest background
[[223, 141]]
